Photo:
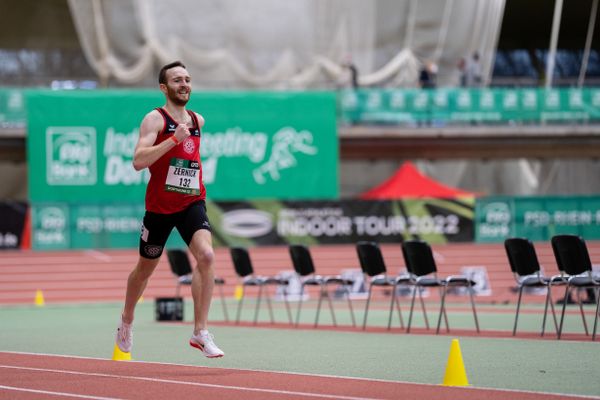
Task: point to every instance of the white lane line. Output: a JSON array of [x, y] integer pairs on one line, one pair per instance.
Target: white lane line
[[208, 385], [99, 255], [62, 394], [351, 378]]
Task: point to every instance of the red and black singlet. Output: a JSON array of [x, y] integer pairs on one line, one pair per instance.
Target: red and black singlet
[[176, 177]]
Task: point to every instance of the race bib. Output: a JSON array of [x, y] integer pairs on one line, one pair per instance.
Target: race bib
[[183, 176]]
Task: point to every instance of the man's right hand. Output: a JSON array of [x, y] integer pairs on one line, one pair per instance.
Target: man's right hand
[[181, 132]]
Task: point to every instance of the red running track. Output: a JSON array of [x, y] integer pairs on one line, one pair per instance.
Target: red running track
[[101, 275], [34, 376]]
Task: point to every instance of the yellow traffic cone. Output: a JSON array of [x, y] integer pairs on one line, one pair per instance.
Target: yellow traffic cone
[[119, 355], [39, 298], [239, 292], [455, 368]]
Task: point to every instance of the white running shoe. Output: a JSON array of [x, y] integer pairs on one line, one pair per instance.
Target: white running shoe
[[205, 343], [124, 337]]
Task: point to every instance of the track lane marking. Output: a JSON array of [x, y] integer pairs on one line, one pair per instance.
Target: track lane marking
[[364, 379], [208, 385], [63, 394]]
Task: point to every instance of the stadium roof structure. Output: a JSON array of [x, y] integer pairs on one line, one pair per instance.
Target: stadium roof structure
[[408, 181]]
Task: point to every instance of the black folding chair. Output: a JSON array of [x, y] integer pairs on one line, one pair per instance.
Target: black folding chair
[[182, 269], [421, 264], [305, 268], [245, 270], [373, 266], [572, 256], [526, 270]]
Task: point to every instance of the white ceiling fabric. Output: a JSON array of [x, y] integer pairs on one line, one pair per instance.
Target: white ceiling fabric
[[285, 44]]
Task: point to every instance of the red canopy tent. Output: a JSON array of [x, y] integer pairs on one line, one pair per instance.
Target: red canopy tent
[[407, 181]]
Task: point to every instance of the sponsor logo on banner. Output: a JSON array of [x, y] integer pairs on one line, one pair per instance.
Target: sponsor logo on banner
[[253, 145], [118, 151], [8, 240], [335, 222], [71, 155], [247, 223], [286, 142], [232, 143], [51, 227], [327, 222], [495, 222]]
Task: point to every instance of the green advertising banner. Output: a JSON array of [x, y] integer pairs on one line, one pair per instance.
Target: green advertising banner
[[254, 145], [12, 108], [264, 222], [457, 105], [536, 218], [451, 105], [59, 226]]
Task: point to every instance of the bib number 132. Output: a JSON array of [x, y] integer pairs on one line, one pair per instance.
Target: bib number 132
[[183, 176]]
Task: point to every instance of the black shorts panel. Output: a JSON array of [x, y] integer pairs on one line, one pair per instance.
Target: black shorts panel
[[156, 228], [192, 219]]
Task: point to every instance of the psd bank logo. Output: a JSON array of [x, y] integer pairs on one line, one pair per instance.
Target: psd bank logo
[[71, 155], [50, 226]]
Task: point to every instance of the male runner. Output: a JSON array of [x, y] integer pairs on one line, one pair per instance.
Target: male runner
[[169, 145]]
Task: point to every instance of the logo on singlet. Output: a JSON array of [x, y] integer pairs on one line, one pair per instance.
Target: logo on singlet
[[189, 146]]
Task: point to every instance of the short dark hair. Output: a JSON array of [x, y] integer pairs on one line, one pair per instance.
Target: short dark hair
[[162, 75]]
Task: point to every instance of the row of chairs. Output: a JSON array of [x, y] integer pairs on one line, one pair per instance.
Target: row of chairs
[[304, 267], [421, 273], [570, 251], [575, 273], [303, 264]]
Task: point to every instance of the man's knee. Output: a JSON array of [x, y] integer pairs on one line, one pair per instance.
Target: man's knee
[[202, 250], [205, 257], [145, 267]]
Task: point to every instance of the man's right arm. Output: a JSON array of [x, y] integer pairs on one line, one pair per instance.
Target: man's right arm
[[146, 153]]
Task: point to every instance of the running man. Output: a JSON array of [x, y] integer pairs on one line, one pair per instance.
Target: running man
[[169, 145]]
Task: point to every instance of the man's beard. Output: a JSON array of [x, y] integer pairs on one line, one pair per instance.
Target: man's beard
[[174, 97]]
